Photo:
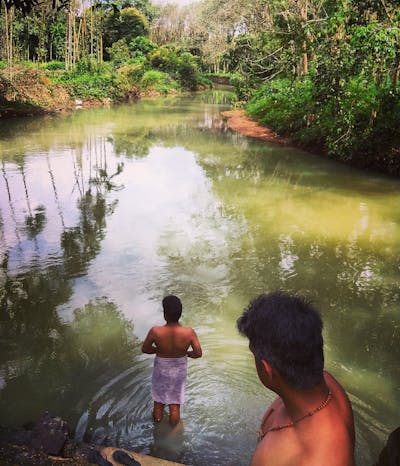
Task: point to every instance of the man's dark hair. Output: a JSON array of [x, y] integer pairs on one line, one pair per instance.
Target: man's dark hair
[[286, 331], [172, 308]]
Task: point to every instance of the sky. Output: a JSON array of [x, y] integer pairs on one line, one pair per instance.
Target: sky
[[178, 2]]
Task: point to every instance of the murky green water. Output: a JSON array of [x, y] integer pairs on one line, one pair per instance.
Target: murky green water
[[104, 211]]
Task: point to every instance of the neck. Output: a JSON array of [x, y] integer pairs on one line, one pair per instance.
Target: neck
[[172, 324], [300, 402]]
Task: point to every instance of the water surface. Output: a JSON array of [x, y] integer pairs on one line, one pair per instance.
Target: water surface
[[105, 211]]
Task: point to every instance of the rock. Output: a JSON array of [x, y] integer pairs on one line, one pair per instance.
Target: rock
[[22, 456], [82, 451], [49, 434], [15, 435]]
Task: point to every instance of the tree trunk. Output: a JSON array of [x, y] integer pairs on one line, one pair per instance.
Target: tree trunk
[[9, 20], [304, 18]]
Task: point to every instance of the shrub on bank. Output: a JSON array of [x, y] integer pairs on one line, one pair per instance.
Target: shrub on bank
[[157, 81], [283, 104], [353, 122], [53, 65], [92, 85]]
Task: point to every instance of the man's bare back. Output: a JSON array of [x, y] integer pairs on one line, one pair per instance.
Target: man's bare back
[[172, 340], [314, 440], [170, 343]]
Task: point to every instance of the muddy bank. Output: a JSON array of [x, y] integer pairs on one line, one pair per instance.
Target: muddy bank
[[237, 120]]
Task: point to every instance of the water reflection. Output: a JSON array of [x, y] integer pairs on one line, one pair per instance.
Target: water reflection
[[105, 211]]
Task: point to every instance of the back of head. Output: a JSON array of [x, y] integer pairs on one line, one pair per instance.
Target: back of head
[[172, 308], [286, 331]]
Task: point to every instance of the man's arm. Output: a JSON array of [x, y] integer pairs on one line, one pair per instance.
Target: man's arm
[[196, 351], [149, 346]]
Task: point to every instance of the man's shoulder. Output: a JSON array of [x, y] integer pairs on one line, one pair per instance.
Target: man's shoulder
[[187, 329], [313, 448], [157, 329]]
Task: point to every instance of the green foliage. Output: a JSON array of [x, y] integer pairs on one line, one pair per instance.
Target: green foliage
[[92, 85], [53, 65], [362, 122], [119, 52], [188, 70], [157, 81], [142, 46], [244, 87], [182, 65], [164, 58], [133, 72], [3, 64], [126, 24], [204, 81], [282, 103], [90, 65]]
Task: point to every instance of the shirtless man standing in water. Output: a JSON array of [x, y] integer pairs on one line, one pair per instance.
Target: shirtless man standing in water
[[311, 421], [171, 344]]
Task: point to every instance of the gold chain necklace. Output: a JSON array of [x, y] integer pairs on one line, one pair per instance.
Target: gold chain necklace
[[262, 434]]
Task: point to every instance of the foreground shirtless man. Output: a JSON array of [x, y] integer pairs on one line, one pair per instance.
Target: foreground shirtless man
[[171, 344], [311, 421]]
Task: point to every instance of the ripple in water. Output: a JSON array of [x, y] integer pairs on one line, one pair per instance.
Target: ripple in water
[[219, 425]]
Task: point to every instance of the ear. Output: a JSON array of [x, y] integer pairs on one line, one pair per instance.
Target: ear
[[267, 368]]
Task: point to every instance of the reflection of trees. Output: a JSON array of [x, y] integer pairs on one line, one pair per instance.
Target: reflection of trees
[[11, 203], [34, 221], [48, 365], [82, 243], [136, 143], [43, 361]]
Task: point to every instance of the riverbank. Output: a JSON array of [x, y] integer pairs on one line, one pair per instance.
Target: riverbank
[[48, 443], [237, 120], [34, 91]]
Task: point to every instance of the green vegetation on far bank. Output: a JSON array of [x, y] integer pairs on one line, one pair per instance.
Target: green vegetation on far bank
[[324, 73], [141, 69]]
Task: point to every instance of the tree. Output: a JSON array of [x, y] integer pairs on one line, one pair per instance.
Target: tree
[[125, 24]]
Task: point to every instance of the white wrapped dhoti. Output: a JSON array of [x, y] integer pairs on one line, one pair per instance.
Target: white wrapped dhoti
[[169, 380]]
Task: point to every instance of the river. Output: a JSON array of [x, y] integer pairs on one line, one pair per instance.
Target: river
[[104, 211]]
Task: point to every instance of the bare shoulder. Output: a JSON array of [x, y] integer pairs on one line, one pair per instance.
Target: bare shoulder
[[156, 330], [340, 397], [335, 386], [188, 330]]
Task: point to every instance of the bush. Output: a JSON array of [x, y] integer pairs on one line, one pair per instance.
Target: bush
[[119, 52], [164, 59], [244, 87], [284, 105], [142, 46], [187, 70], [133, 72], [53, 65], [93, 85], [157, 81]]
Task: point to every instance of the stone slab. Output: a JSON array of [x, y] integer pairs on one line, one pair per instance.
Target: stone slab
[[144, 460]]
